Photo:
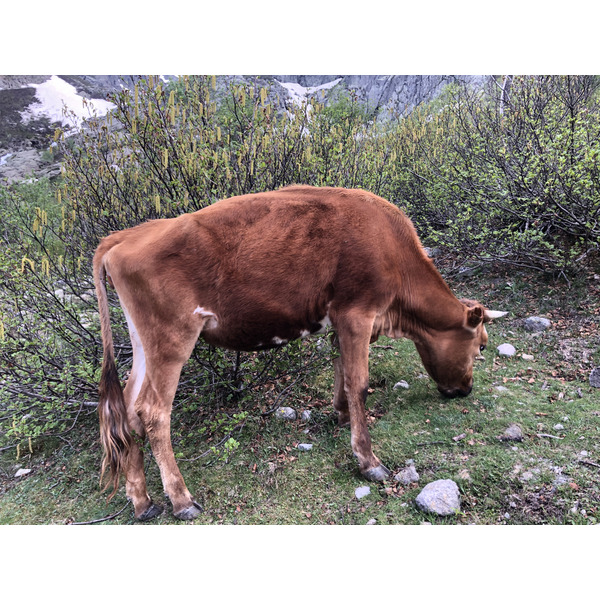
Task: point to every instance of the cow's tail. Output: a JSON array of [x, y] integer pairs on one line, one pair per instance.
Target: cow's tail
[[112, 412]]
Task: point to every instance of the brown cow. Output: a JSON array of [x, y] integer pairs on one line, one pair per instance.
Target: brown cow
[[254, 272]]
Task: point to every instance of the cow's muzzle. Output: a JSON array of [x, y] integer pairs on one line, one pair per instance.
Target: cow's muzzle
[[453, 393]]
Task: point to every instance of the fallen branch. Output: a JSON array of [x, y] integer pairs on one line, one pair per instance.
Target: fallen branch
[[103, 519], [590, 463], [547, 435]]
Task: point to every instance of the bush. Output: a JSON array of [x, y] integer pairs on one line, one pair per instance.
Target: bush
[[508, 174]]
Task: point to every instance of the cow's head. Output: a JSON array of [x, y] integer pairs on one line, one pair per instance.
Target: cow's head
[[449, 355]]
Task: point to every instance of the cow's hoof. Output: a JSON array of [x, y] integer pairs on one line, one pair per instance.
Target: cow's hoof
[[152, 511], [189, 513], [379, 473]]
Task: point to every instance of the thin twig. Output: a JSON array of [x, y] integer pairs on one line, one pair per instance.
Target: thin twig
[[104, 518], [432, 443], [547, 435], [590, 463], [8, 447]]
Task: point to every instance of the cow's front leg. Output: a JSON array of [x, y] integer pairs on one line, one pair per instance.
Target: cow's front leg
[[354, 332]]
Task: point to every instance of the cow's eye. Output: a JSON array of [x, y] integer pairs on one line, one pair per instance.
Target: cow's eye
[[482, 348]]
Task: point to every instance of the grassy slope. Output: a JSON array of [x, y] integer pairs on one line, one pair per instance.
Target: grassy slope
[[268, 481]]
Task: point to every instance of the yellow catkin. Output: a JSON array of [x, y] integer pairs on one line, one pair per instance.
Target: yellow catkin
[[219, 134], [1, 331], [59, 196], [30, 448], [213, 82], [136, 106], [165, 158], [18, 451], [186, 199], [29, 262], [157, 203], [46, 267]]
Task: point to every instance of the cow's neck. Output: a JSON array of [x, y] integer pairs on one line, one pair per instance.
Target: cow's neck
[[426, 303]]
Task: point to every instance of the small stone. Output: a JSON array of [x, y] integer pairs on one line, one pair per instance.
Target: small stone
[[506, 350], [372, 522], [507, 515], [536, 324], [22, 472], [527, 356], [407, 475], [583, 453], [440, 497], [306, 415], [595, 377], [305, 447], [361, 492], [513, 433], [501, 388], [559, 427], [286, 413], [401, 385]]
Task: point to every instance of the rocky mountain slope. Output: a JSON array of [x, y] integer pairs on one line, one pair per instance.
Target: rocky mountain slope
[[32, 105]]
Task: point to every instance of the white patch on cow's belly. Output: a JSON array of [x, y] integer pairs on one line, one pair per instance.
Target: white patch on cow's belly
[[325, 322], [304, 333], [279, 341]]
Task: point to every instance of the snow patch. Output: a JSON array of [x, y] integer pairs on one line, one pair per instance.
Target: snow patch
[[56, 95], [298, 93]]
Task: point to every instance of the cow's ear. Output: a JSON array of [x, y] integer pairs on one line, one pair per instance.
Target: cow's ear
[[493, 314], [475, 316]]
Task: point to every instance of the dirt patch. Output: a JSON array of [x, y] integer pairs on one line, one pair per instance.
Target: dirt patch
[[576, 350]]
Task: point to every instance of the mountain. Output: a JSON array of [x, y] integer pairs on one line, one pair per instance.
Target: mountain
[[31, 106]]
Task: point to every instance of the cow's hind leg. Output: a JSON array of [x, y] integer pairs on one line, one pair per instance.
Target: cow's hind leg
[[340, 402], [354, 332], [154, 410], [135, 480]]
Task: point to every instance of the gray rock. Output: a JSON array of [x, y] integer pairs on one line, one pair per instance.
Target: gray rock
[[372, 522], [440, 497], [305, 447], [407, 475], [506, 350], [595, 377], [536, 324], [286, 413], [559, 427], [401, 385], [501, 388], [433, 252], [361, 492], [22, 472], [513, 433], [306, 415]]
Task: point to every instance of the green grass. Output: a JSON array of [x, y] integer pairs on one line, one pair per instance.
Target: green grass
[[267, 480]]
